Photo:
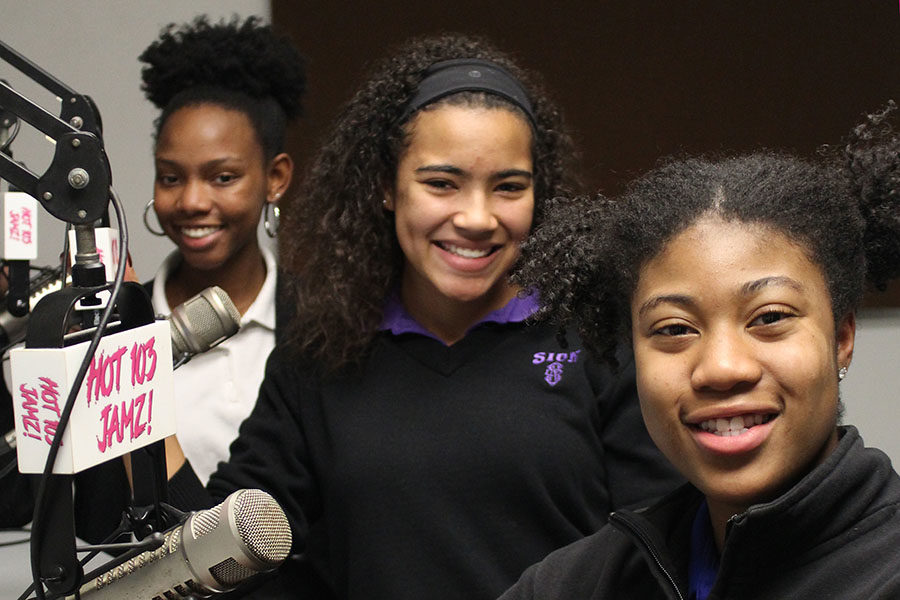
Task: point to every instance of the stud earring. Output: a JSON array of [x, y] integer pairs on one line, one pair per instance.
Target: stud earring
[[842, 372]]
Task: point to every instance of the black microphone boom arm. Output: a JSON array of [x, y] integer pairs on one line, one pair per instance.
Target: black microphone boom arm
[[75, 187]]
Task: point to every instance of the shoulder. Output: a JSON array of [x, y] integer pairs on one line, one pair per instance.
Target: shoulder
[[578, 570]]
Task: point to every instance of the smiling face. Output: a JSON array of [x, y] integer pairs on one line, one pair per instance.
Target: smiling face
[[737, 360], [463, 201], [211, 184]]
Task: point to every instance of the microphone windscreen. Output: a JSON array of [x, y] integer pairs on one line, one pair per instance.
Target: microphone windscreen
[[203, 321], [253, 518]]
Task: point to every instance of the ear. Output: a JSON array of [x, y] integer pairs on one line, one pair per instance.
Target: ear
[[280, 172], [845, 336], [388, 201]]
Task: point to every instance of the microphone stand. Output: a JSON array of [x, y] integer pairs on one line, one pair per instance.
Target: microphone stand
[[75, 188]]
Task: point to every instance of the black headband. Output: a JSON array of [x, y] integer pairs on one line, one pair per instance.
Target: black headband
[[468, 75]]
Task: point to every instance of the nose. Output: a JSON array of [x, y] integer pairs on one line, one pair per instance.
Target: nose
[[194, 197], [725, 360], [475, 215]]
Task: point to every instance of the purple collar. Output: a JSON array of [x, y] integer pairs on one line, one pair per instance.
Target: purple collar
[[704, 559], [397, 320]]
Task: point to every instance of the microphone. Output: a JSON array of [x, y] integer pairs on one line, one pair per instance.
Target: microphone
[[201, 322], [212, 552]]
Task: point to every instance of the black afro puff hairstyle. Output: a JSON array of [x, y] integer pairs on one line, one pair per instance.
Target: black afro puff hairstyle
[[239, 65]]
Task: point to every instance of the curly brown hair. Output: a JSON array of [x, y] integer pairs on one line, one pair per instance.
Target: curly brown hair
[[339, 245], [587, 256]]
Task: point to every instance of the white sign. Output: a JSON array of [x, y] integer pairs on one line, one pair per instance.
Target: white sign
[[19, 226], [125, 402]]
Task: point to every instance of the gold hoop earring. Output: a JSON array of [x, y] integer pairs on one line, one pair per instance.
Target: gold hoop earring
[[271, 225], [147, 208]]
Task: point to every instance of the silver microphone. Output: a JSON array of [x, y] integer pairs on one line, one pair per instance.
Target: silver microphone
[[212, 552], [202, 322]]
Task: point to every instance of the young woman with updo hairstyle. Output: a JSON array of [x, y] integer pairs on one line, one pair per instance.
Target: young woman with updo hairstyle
[[737, 280], [226, 92], [422, 438]]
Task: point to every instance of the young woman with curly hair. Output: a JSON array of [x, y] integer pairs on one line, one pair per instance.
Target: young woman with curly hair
[[424, 441], [738, 281]]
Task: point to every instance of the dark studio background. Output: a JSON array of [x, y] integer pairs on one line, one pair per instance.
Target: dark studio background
[[638, 80]]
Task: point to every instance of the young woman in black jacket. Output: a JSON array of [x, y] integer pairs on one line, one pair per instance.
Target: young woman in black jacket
[[738, 281]]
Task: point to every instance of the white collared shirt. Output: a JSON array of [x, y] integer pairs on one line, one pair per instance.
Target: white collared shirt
[[217, 389]]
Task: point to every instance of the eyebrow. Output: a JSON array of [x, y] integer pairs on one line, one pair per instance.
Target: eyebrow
[[748, 289], [751, 287], [655, 301], [211, 163], [440, 169], [451, 170]]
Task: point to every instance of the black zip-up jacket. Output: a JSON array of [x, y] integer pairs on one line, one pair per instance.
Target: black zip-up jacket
[[835, 534]]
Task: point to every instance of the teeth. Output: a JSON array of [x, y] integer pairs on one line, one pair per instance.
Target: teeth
[[465, 252], [735, 425], [198, 232]]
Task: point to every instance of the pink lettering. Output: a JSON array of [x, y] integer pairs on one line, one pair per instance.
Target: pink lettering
[[104, 374], [30, 419], [50, 431], [115, 425], [117, 417], [50, 395], [14, 232], [104, 442], [143, 361], [137, 428]]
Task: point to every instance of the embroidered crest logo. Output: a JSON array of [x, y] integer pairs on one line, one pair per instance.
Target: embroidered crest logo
[[553, 373]]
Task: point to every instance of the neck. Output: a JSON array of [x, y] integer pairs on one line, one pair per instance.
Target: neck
[[449, 319], [718, 516], [241, 279]]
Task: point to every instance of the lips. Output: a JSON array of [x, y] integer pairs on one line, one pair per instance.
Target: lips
[[735, 434]]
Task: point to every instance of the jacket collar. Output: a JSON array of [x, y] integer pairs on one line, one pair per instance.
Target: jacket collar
[[815, 515]]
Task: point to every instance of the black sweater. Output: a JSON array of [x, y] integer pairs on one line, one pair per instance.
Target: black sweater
[[835, 534], [442, 472]]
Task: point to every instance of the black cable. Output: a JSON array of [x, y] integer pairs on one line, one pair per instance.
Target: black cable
[[8, 468], [12, 136]]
